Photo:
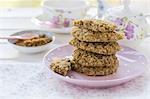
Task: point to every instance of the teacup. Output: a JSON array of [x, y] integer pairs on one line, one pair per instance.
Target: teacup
[[130, 22], [61, 13]]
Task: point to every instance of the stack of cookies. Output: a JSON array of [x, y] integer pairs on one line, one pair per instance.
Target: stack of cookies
[[96, 45]]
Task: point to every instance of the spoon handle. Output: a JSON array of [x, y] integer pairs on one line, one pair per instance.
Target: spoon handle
[[9, 37]]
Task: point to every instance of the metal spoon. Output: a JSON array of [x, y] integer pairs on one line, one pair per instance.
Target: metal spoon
[[22, 36]]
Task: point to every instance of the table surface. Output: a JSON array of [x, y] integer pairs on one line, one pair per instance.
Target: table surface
[[24, 75]]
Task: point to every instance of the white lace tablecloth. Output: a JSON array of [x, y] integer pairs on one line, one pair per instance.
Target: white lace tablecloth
[[33, 81]]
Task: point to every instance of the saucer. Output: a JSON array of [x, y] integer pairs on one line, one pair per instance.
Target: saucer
[[131, 65], [42, 19]]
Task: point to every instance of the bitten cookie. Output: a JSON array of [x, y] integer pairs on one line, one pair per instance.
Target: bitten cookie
[[105, 48], [95, 25], [61, 66], [90, 36], [90, 59]]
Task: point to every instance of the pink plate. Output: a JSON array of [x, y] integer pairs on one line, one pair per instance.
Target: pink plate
[[132, 65]]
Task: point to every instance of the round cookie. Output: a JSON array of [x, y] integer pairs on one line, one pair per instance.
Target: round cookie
[[95, 71], [105, 48], [95, 25], [90, 59], [90, 36]]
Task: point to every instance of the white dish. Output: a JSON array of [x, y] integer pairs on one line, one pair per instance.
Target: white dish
[[36, 49], [41, 19]]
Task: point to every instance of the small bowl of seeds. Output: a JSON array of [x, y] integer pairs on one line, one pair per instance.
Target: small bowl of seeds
[[35, 44]]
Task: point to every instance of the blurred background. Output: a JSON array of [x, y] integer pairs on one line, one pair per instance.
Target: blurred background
[[9, 8], [142, 4], [36, 3], [25, 9]]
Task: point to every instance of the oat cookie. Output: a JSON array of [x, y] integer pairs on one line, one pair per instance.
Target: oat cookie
[[95, 71], [90, 36], [61, 66], [95, 25], [106, 48], [90, 59]]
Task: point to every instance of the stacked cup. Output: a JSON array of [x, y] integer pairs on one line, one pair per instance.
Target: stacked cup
[[95, 43]]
